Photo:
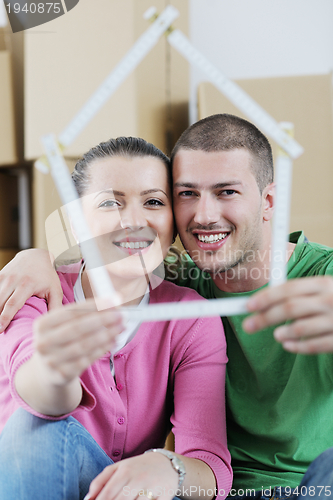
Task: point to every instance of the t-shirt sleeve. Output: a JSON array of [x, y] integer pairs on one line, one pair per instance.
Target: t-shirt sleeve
[[16, 348], [198, 420], [184, 272]]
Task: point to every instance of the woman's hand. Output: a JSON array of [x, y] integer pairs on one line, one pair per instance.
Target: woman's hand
[[70, 339], [67, 341], [134, 478], [29, 273]]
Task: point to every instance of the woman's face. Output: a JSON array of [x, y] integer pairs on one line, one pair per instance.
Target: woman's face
[[129, 212]]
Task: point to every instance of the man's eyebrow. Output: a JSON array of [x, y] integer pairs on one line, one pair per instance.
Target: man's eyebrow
[[185, 184], [219, 185]]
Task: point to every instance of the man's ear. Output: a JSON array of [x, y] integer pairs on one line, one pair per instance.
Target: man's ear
[[268, 200]]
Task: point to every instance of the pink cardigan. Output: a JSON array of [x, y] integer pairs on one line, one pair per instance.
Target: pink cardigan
[[172, 371]]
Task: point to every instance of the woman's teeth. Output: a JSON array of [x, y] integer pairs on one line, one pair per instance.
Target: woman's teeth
[[134, 244], [212, 238]]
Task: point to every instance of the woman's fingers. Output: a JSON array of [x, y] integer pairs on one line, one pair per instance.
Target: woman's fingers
[[70, 339], [66, 327]]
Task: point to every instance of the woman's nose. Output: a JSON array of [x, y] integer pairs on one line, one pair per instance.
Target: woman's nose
[[132, 218]]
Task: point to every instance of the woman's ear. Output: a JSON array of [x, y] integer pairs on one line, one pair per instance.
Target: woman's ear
[[73, 230], [268, 199]]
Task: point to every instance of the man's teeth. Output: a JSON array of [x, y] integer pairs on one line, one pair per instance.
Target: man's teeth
[[134, 244], [212, 238]]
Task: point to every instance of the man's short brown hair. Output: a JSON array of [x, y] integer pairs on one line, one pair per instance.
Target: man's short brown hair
[[225, 132]]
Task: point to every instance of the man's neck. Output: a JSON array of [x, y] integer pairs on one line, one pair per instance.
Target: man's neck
[[248, 276]]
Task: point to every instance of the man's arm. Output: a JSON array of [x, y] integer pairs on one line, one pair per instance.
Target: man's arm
[[307, 302], [29, 273]]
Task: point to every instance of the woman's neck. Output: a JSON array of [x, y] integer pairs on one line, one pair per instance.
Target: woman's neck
[[130, 290]]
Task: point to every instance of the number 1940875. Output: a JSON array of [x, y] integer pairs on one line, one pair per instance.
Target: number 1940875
[[32, 8]]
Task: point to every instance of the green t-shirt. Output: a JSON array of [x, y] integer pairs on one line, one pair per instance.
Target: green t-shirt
[[279, 404]]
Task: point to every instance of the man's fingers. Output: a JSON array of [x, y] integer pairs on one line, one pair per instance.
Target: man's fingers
[[314, 345], [320, 324], [291, 309], [313, 285], [54, 298], [14, 303]]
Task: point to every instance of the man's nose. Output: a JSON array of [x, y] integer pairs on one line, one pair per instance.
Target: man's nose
[[207, 210]]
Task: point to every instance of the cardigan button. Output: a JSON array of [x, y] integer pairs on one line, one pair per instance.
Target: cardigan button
[[116, 453], [121, 420]]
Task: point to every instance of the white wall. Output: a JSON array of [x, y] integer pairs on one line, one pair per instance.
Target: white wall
[[262, 38], [3, 15]]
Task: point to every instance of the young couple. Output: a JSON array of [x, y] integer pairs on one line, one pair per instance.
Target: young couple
[[80, 390]]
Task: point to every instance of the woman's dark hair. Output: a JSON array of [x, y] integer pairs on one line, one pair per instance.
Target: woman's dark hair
[[129, 147]]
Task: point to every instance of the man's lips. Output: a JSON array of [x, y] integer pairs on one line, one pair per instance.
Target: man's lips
[[210, 239]]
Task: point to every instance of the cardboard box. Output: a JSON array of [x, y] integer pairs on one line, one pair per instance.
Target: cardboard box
[[8, 153], [306, 101], [46, 201], [73, 59], [6, 255], [66, 61], [8, 211]]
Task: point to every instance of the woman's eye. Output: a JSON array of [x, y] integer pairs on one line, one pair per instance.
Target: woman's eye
[[154, 203], [108, 203]]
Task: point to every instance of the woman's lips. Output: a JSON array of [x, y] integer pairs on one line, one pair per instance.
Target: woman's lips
[[133, 246]]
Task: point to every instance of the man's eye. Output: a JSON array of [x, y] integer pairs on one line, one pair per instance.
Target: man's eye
[[228, 192], [154, 203], [186, 193], [108, 203]]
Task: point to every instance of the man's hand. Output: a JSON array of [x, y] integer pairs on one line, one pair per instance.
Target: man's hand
[[307, 303], [29, 273]]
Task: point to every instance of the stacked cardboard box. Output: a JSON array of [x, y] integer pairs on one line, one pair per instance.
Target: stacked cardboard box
[[305, 101], [64, 63], [8, 157]]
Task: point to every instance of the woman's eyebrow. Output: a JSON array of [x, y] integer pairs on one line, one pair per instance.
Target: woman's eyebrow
[[148, 191], [110, 191]]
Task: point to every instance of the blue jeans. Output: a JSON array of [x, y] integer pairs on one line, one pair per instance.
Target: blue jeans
[[47, 460], [317, 483]]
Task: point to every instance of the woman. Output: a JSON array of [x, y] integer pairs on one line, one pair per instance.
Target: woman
[[76, 396]]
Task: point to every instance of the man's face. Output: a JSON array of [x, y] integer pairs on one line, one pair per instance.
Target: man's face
[[218, 208]]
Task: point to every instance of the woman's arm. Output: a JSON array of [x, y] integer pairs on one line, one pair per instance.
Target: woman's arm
[[67, 341], [152, 472], [30, 273], [197, 363], [199, 422]]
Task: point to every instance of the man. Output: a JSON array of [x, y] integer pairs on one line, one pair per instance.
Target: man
[[279, 400]]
